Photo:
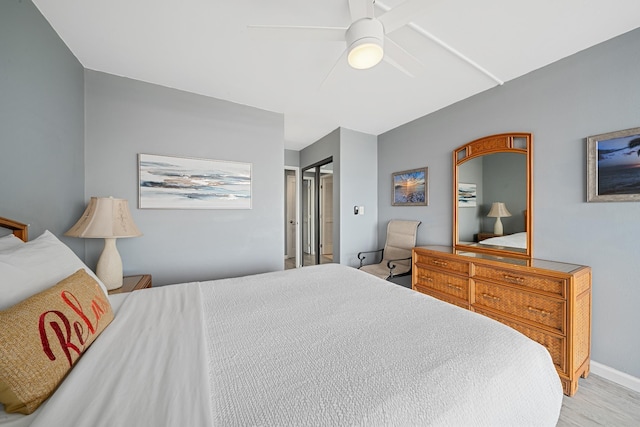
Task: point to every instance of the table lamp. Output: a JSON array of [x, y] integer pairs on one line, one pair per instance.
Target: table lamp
[[107, 218], [498, 210]]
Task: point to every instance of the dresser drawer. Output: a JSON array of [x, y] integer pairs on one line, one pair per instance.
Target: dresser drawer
[[554, 344], [548, 284], [443, 297], [547, 312], [455, 266], [446, 283]]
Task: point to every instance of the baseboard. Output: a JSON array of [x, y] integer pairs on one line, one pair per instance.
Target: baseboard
[[616, 376]]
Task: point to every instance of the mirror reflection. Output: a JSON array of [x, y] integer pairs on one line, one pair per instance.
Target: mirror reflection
[[492, 195], [493, 200], [317, 214]]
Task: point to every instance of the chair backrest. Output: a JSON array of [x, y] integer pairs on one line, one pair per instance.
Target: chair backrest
[[401, 238]]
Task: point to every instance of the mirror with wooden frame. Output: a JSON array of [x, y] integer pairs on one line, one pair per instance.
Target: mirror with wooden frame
[[492, 195]]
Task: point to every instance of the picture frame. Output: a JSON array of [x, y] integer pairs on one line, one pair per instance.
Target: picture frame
[[410, 187], [613, 166], [170, 182], [467, 195]]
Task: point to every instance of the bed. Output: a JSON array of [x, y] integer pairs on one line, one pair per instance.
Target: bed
[[322, 345], [515, 240]]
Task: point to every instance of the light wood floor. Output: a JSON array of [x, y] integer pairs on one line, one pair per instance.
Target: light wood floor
[[290, 263], [600, 402]]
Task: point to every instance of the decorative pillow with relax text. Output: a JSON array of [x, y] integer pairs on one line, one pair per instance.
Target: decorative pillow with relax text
[[43, 336]]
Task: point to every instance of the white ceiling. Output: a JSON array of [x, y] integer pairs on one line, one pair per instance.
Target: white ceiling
[[204, 47]]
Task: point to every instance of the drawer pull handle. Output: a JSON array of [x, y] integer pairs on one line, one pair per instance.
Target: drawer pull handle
[[491, 297], [449, 285], [440, 263], [539, 311], [513, 279], [428, 279]]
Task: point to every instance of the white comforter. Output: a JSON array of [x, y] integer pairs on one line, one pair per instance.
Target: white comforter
[[516, 240], [325, 345]]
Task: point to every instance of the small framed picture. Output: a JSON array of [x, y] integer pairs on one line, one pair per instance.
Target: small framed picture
[[411, 187], [466, 195], [613, 166]]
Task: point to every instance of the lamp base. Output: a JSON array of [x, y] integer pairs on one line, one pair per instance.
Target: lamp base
[[497, 228], [109, 268]]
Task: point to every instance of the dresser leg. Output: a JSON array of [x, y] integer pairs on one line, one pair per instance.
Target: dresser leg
[[585, 374], [569, 387]]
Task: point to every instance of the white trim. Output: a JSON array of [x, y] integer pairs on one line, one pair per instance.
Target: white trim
[[616, 376]]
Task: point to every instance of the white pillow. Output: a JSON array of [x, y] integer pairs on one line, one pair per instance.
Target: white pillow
[[35, 266], [9, 242]]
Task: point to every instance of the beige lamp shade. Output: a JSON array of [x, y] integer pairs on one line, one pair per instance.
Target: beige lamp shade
[[498, 209], [107, 218]]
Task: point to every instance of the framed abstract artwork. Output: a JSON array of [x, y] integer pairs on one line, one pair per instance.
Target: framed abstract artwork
[[613, 166], [467, 195], [167, 182], [410, 187]]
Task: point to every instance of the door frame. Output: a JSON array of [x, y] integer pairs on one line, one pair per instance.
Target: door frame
[[309, 181], [316, 231], [296, 169], [324, 235]]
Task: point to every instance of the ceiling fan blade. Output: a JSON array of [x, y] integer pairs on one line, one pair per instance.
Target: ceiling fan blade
[[275, 32], [401, 59], [360, 9], [343, 58], [402, 14]]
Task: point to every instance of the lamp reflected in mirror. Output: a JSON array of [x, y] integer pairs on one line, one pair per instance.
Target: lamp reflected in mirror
[[498, 210]]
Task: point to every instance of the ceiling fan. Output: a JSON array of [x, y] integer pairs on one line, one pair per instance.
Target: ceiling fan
[[366, 37]]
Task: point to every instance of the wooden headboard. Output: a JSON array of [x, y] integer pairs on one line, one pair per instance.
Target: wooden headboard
[[19, 229]]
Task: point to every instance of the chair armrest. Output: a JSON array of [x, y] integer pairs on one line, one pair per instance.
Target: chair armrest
[[391, 266], [362, 258]]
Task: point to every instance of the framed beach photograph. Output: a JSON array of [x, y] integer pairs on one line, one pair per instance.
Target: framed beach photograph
[[411, 187], [467, 195], [167, 182], [613, 166]]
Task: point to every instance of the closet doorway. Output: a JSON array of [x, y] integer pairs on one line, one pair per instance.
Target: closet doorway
[[317, 213]]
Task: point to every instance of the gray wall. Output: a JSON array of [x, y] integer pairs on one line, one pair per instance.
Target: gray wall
[[592, 92], [469, 217], [505, 180], [354, 183], [328, 146], [41, 124], [125, 117], [291, 158], [358, 187]]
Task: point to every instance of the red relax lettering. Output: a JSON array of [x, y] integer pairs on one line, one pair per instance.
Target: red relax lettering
[[64, 338], [65, 330]]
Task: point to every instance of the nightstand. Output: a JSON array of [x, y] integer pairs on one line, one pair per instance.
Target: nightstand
[[133, 283], [482, 236]]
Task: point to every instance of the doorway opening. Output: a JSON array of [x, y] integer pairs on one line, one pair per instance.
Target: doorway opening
[[317, 213]]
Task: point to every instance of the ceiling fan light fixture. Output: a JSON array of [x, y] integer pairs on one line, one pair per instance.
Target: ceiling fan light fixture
[[365, 55], [365, 40]]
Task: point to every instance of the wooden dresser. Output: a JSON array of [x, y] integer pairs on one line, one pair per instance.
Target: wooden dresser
[[550, 302]]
